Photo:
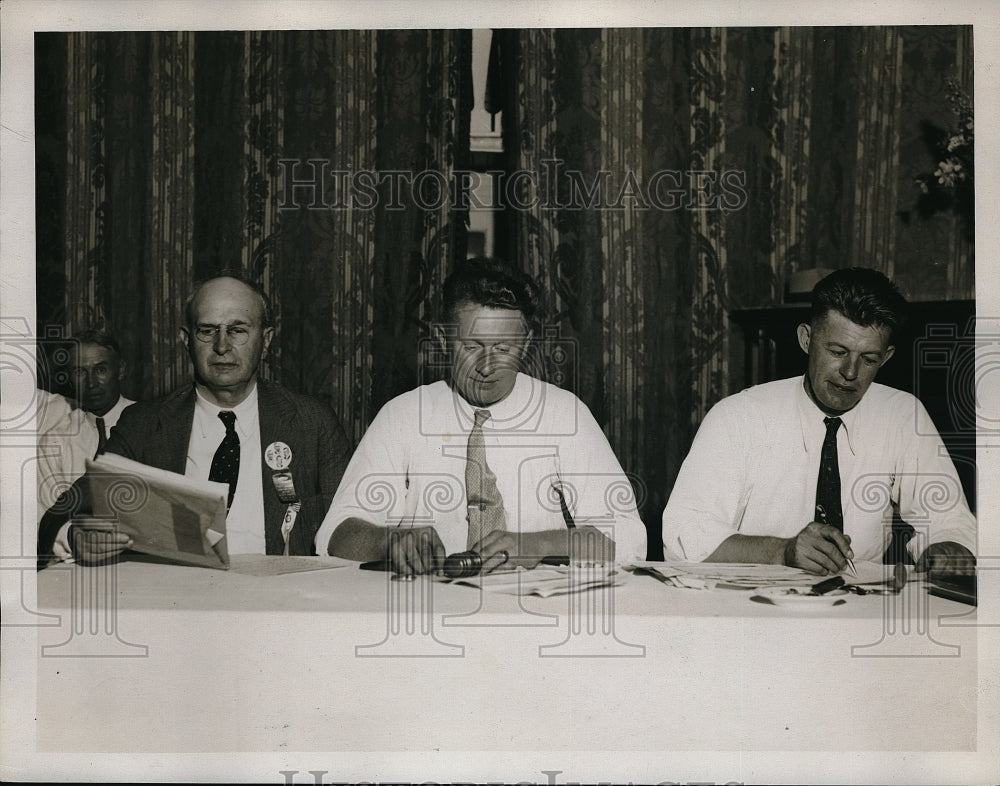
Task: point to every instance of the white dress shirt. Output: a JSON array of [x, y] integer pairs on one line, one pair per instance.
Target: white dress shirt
[[66, 439], [68, 446], [754, 464], [111, 416], [409, 468], [245, 521]]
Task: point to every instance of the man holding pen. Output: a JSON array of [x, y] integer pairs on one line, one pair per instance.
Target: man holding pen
[[808, 471]]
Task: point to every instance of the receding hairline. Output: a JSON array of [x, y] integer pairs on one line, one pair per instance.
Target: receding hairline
[[200, 287]]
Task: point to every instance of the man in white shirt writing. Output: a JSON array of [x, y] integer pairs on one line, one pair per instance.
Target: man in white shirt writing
[[491, 460], [808, 471]]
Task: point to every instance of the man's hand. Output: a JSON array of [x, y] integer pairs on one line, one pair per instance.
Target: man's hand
[[502, 549], [947, 558], [95, 543], [415, 550], [819, 548]]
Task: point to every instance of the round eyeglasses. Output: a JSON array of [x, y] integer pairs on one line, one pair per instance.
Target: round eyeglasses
[[238, 335]]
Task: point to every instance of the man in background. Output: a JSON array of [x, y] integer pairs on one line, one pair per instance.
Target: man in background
[[97, 371], [491, 460], [273, 448], [808, 471], [68, 435]]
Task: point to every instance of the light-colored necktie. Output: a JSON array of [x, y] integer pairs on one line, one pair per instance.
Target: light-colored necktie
[[485, 510]]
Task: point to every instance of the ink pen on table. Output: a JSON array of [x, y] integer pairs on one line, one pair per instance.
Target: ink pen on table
[[821, 514]]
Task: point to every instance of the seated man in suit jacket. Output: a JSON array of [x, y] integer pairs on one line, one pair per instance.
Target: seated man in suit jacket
[[231, 427]]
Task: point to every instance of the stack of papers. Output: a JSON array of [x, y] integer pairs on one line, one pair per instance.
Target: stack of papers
[[749, 576], [547, 581], [724, 575]]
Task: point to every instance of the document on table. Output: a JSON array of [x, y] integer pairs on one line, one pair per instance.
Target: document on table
[[165, 513], [547, 581], [723, 575], [874, 573], [747, 576], [276, 565]]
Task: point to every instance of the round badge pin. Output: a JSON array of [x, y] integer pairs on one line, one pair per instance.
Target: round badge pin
[[277, 455]]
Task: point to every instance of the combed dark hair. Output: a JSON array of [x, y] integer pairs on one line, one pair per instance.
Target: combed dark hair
[[492, 283], [99, 337], [864, 296], [265, 301]]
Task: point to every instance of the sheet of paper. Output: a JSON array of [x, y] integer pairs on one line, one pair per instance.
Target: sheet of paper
[[547, 581], [722, 575], [732, 575], [876, 573], [271, 565]]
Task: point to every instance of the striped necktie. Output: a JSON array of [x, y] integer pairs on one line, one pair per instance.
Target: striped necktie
[[485, 510]]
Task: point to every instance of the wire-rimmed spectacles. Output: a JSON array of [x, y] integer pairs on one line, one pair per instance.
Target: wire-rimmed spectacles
[[238, 335]]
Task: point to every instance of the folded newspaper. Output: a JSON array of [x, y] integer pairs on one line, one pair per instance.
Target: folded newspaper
[[166, 514]]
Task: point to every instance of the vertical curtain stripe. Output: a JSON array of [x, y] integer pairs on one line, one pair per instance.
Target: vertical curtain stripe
[[85, 187], [621, 239], [171, 235], [710, 349], [354, 243], [877, 151]]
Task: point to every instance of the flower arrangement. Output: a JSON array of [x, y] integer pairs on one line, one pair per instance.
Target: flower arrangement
[[952, 185]]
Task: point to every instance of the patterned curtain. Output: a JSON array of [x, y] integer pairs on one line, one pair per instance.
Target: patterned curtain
[[784, 149], [175, 155], [662, 178]]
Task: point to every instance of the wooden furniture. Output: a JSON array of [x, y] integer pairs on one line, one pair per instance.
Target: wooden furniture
[[935, 360]]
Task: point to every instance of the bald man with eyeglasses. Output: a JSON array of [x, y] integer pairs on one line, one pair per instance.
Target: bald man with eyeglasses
[[268, 444]]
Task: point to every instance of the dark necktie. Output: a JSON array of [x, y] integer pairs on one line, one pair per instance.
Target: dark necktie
[[102, 437], [226, 462], [828, 509], [485, 511]]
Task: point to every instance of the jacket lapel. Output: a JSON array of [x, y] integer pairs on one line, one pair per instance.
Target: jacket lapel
[[176, 420]]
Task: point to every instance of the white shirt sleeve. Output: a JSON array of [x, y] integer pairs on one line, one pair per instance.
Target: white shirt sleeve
[[374, 484], [929, 492], [599, 493], [710, 495]]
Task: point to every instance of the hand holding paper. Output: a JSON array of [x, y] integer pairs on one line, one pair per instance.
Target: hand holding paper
[[95, 541], [157, 512]]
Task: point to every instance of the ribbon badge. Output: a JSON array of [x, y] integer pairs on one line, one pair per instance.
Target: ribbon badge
[[278, 455]]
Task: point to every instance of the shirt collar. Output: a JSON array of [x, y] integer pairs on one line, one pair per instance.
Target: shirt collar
[[811, 419], [112, 415], [246, 413], [503, 413]]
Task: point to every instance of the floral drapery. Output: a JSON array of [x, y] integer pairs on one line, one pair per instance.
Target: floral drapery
[[173, 155], [163, 157], [784, 149]]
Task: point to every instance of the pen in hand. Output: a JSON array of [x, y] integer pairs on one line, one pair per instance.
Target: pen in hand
[[821, 517]]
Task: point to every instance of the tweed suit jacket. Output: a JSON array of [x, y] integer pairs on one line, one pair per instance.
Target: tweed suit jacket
[[157, 433]]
